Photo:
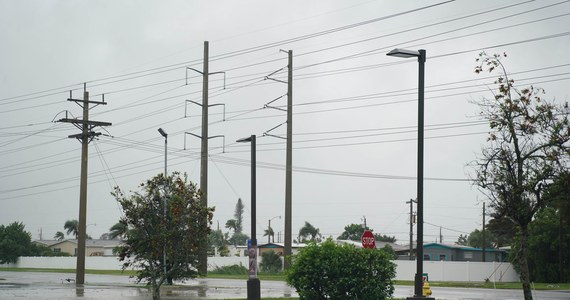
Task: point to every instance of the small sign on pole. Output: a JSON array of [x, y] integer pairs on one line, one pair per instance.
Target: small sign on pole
[[368, 240]]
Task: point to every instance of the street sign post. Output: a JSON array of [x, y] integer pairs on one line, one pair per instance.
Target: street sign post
[[368, 240]]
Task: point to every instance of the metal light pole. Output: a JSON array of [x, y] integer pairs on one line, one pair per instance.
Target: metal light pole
[[272, 233], [421, 55], [253, 284], [165, 135]]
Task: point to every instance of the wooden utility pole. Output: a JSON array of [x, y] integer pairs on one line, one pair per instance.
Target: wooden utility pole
[[411, 202], [483, 233], [289, 163], [84, 137]]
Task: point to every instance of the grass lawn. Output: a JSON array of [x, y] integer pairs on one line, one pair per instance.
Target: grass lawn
[[281, 277]]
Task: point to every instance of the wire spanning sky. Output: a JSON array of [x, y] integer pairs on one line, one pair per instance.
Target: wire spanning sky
[[354, 115]]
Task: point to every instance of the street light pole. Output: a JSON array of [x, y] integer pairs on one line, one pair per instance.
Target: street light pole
[[165, 135], [421, 55], [253, 284]]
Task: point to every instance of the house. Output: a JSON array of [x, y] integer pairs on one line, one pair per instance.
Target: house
[[379, 245], [93, 247], [453, 252]]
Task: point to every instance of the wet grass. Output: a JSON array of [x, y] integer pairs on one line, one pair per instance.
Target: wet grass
[[281, 277]]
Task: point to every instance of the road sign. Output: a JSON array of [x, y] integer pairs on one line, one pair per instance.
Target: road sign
[[368, 240]]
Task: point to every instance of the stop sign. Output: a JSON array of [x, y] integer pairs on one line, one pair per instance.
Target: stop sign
[[368, 240]]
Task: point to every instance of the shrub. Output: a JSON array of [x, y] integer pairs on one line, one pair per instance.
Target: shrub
[[331, 271], [270, 262]]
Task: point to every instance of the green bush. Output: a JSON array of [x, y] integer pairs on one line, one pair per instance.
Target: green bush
[[331, 271], [230, 270], [270, 262]]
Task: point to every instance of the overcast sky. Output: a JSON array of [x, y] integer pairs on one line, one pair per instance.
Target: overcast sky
[[354, 115]]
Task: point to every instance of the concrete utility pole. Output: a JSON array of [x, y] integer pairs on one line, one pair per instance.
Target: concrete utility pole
[[289, 163], [483, 233], [411, 202], [84, 137], [203, 251]]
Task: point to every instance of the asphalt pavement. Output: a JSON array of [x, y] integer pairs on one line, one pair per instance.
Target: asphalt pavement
[[38, 285]]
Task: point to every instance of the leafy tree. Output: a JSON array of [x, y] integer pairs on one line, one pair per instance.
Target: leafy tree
[[15, 242], [384, 238], [389, 252], [352, 232], [218, 240], [71, 227], [270, 262], [543, 245], [59, 236], [462, 240], [119, 230], [152, 235], [309, 233], [503, 230], [238, 239], [475, 239], [559, 194], [527, 148], [331, 271]]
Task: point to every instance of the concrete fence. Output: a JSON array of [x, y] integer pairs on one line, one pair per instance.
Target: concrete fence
[[405, 270]]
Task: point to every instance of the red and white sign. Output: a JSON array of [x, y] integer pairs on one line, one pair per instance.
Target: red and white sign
[[368, 240]]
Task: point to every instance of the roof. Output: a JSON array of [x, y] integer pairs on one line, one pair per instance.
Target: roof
[[88, 243], [379, 244], [460, 247]]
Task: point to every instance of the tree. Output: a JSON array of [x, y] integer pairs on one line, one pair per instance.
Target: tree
[[462, 240], [238, 238], [384, 238], [119, 230], [268, 233], [218, 240], [270, 262], [238, 215], [59, 236], [475, 239], [503, 231], [15, 242], [352, 232], [71, 227], [527, 148], [559, 195], [309, 233], [331, 271], [153, 236], [543, 246]]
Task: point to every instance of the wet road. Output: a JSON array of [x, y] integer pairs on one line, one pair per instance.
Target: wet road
[[37, 285]]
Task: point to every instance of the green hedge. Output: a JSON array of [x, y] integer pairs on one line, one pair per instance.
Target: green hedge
[[331, 271]]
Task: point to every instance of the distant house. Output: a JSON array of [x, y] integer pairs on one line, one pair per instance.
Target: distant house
[[93, 247], [278, 248], [379, 245], [445, 252]]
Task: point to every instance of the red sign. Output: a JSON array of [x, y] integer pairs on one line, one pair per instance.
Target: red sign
[[368, 240]]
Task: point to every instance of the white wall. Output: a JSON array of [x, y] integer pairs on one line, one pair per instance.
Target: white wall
[[405, 270]]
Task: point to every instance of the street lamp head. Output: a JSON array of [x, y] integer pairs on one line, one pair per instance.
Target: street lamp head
[[162, 132], [404, 53], [244, 140]]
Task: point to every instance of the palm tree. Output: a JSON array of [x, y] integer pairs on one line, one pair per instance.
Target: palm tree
[[309, 233], [268, 233], [119, 230], [71, 227], [59, 236]]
